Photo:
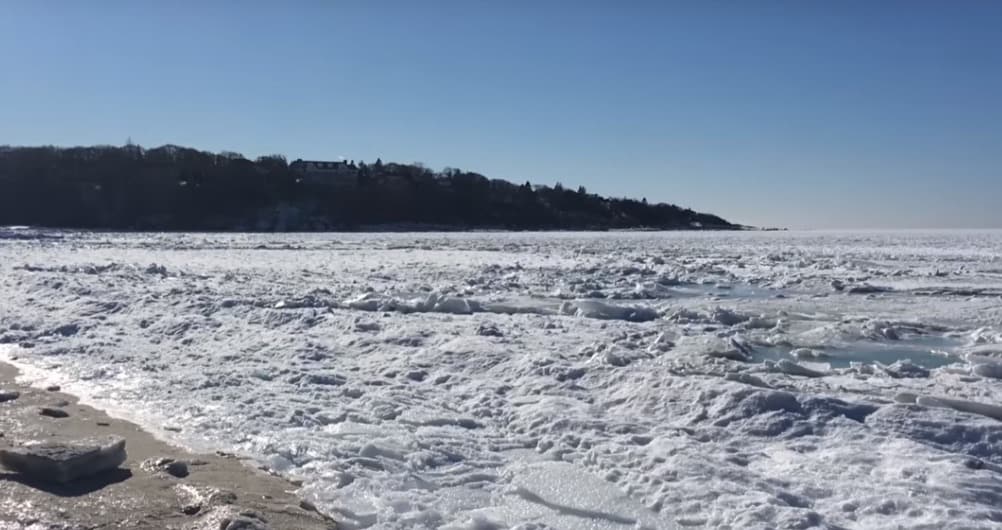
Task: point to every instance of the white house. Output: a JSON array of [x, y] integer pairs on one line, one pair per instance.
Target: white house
[[339, 172]]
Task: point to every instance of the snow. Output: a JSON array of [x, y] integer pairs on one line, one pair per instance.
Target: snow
[[530, 381]]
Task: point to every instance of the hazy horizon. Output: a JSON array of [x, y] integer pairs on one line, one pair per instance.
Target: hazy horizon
[[782, 114]]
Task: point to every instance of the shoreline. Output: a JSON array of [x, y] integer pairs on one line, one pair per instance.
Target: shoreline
[[401, 229], [137, 495]]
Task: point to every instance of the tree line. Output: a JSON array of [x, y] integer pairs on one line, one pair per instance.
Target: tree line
[[179, 188]]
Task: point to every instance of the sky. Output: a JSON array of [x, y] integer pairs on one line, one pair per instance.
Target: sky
[[798, 114]]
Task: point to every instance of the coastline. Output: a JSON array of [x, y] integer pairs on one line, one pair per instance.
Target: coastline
[[38, 231], [219, 487]]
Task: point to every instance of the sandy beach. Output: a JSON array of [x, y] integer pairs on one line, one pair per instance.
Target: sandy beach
[[220, 491]]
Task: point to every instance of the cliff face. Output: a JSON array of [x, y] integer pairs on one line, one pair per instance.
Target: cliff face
[[176, 188]]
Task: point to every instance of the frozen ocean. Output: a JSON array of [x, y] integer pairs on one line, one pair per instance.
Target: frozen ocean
[[622, 380]]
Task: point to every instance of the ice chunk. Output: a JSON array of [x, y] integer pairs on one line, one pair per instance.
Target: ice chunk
[[990, 370], [662, 343], [791, 368], [941, 427], [747, 379], [865, 288], [904, 368], [562, 495], [727, 317], [370, 302], [962, 405], [64, 461], [714, 347], [808, 354], [602, 310], [450, 304]]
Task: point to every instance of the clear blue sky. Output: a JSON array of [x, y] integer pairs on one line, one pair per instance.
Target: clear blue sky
[[799, 113]]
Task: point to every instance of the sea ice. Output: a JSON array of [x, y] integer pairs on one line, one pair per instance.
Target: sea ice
[[529, 381]]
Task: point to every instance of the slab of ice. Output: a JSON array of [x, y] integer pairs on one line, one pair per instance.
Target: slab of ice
[[64, 462], [561, 495], [791, 368], [606, 311], [962, 405]]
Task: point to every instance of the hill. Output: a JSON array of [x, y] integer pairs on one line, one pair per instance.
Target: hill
[[178, 188]]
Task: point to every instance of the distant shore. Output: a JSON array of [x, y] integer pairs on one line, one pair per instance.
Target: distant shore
[[179, 189], [386, 228]]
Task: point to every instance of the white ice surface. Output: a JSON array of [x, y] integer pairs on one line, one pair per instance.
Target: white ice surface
[[481, 381]]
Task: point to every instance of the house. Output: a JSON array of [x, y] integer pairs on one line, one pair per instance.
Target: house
[[334, 173]]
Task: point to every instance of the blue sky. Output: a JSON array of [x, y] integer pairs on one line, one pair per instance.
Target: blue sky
[[799, 114]]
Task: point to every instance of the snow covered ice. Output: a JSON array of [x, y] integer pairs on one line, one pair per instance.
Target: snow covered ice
[[531, 381]]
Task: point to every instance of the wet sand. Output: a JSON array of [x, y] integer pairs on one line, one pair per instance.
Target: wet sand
[[218, 487]]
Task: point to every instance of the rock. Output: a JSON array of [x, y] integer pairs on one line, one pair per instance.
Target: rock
[[53, 388], [165, 465], [177, 469], [195, 499], [244, 521], [53, 412], [153, 465], [64, 462], [8, 395]]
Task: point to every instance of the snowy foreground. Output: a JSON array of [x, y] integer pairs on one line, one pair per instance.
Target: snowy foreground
[[531, 381]]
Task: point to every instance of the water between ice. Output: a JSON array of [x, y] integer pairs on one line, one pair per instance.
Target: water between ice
[[927, 351]]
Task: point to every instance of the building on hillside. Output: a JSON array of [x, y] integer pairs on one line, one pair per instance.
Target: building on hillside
[[335, 173]]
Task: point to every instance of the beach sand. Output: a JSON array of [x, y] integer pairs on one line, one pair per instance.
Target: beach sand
[[218, 487]]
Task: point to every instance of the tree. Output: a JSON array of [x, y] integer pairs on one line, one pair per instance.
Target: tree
[[272, 161], [178, 188]]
